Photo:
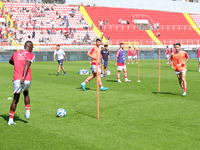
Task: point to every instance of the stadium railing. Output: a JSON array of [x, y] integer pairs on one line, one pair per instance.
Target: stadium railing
[[134, 27]]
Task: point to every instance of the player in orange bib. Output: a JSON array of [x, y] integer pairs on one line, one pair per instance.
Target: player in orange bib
[[179, 59], [93, 53]]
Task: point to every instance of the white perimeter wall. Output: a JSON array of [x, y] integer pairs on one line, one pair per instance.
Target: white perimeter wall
[[163, 5]]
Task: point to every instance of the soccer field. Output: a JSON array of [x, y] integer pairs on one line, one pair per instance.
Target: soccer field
[[132, 115]]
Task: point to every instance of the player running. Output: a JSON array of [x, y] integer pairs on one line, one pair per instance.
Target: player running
[[130, 52], [198, 57], [22, 61], [135, 55], [167, 54], [104, 61], [120, 63], [179, 59], [95, 50], [61, 54]]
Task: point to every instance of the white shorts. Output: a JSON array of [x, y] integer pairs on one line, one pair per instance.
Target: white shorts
[[167, 56], [178, 72], [18, 88], [129, 57], [120, 68], [198, 59], [94, 69], [134, 57]]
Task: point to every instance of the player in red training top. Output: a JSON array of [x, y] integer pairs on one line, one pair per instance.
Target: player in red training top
[[135, 55], [130, 53], [173, 49], [22, 61], [198, 57], [93, 53], [167, 54]]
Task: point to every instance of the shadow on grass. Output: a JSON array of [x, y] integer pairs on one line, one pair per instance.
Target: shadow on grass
[[82, 113], [165, 93], [86, 89], [111, 80], [52, 74], [193, 70], [16, 118]]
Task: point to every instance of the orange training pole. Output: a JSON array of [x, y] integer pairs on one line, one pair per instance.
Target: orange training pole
[[97, 72], [159, 73], [138, 64]]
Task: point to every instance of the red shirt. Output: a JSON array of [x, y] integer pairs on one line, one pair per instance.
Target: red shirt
[[173, 50], [94, 51], [135, 52], [198, 50], [20, 58], [168, 51], [130, 52]]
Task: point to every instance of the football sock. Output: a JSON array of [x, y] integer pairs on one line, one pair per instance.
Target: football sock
[[11, 115], [100, 84], [27, 107], [125, 75], [118, 76], [64, 72], [182, 87], [85, 82], [199, 66], [185, 89]]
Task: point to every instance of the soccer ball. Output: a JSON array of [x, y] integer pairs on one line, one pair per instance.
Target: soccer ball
[[61, 112]]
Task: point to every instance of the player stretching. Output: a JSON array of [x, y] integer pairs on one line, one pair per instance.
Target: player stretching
[[135, 55], [104, 61], [198, 56], [178, 60], [120, 63], [167, 54], [61, 54], [22, 78], [130, 52], [92, 54]]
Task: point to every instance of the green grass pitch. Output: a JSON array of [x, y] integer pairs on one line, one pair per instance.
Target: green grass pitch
[[133, 116]]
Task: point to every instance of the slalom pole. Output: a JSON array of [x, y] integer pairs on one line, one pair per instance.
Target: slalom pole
[[159, 73], [138, 64], [97, 72]]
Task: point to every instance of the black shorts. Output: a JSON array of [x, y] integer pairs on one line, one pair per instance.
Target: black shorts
[[105, 63], [60, 62]]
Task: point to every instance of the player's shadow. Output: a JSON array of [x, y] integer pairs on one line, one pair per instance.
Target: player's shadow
[[52, 74], [193, 70], [81, 89], [82, 113], [16, 118], [111, 80], [165, 93]]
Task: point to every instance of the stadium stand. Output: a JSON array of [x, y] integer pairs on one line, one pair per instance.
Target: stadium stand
[[171, 26], [48, 23], [63, 24]]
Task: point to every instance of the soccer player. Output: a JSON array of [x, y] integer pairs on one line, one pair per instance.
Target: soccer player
[[130, 52], [179, 59], [167, 54], [22, 61], [173, 48], [120, 63], [95, 50], [135, 55], [104, 61], [198, 56], [61, 54]]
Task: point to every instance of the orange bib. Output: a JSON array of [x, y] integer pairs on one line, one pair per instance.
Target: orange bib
[[178, 60], [96, 51]]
